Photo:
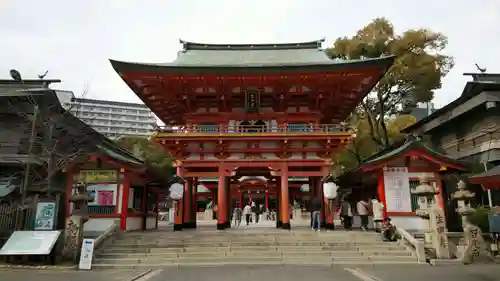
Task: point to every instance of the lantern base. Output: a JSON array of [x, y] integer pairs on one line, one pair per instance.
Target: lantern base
[[189, 225], [329, 226], [178, 227], [286, 225], [222, 225]]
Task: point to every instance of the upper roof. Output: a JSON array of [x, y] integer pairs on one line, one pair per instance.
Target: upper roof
[[209, 56], [471, 89], [251, 54]]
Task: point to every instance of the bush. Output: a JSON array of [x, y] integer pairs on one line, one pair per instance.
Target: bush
[[480, 218]]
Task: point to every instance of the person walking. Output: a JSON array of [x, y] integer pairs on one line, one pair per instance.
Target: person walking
[[378, 214], [316, 214], [247, 212], [237, 214], [363, 209], [347, 214]]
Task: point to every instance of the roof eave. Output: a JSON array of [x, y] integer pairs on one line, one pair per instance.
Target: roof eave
[[121, 67]]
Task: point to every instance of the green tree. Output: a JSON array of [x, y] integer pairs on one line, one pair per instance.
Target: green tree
[[364, 146], [417, 72], [151, 152]]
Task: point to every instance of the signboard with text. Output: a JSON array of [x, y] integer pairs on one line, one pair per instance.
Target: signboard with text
[[397, 189], [98, 176], [30, 243]]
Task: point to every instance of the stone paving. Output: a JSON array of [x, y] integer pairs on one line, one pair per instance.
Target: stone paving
[[67, 275], [301, 273], [268, 273]]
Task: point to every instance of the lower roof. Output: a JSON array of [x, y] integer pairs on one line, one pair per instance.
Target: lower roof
[[228, 62]]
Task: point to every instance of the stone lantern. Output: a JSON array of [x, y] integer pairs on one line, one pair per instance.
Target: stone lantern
[[463, 197], [475, 247], [73, 236], [435, 235], [426, 194]]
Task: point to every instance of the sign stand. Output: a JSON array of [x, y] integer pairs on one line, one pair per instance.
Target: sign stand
[[86, 254]]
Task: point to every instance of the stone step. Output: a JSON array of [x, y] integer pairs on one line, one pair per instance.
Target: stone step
[[254, 254], [263, 259], [378, 248], [255, 263], [374, 248], [153, 244]]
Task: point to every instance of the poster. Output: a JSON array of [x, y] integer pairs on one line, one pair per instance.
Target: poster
[[397, 189], [105, 197], [45, 215], [104, 194]]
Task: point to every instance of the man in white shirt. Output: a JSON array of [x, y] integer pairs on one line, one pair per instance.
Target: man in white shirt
[[247, 212], [363, 210]]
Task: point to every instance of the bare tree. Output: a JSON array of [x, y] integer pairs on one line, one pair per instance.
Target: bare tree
[[55, 137]]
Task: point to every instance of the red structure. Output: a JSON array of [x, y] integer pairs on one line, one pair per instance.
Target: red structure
[[267, 110]]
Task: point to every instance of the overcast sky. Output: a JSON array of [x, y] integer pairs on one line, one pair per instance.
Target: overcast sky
[[75, 39]]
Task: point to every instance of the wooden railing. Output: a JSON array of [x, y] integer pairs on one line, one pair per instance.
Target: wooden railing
[[285, 129]]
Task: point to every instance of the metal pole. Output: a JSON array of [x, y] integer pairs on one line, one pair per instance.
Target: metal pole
[[490, 199], [50, 155], [30, 148], [485, 165]]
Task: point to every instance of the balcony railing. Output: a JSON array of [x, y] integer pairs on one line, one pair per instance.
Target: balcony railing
[[246, 129]]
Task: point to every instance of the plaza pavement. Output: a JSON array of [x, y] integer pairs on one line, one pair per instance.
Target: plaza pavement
[[269, 273]]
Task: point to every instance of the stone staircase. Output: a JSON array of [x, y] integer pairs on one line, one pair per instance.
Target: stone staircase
[[159, 249]]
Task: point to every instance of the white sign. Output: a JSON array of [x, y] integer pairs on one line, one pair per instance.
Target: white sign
[[86, 254], [176, 191], [45, 216], [397, 189], [30, 243]]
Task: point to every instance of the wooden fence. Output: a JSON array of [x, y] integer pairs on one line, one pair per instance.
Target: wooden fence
[[14, 216]]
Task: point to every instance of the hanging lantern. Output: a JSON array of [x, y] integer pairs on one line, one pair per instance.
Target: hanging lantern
[[176, 191], [330, 190]]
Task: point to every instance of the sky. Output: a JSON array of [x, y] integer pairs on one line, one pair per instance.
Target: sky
[[74, 40]]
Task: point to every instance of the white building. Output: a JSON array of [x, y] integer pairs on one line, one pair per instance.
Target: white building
[[111, 118]]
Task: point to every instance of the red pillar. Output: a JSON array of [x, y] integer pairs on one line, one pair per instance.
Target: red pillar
[[194, 204], [69, 189], [285, 211], [187, 204], [267, 201], [381, 191], [241, 198], [178, 208], [222, 211], [125, 196]]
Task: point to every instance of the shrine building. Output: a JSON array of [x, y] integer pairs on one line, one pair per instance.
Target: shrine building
[[252, 120]]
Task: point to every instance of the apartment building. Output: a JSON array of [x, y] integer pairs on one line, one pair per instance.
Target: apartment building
[[111, 118], [468, 128]]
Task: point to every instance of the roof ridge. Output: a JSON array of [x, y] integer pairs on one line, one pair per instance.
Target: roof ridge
[[315, 44]]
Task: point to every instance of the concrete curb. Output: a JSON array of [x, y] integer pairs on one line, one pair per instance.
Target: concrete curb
[[48, 267]]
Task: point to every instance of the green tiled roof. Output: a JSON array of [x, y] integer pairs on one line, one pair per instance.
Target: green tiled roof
[[120, 157], [200, 55], [404, 148]]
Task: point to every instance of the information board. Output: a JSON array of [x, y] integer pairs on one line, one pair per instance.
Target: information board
[[30, 243], [45, 216], [397, 189], [86, 254]]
